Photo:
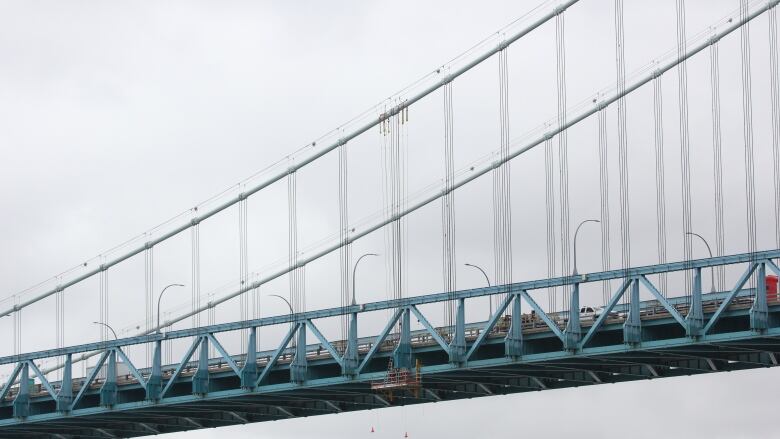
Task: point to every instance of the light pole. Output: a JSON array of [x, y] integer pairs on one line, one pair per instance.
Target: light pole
[[709, 250], [490, 299], [158, 302], [575, 240], [354, 269], [291, 311], [285, 301], [107, 326]]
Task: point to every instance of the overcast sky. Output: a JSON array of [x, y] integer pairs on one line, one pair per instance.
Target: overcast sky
[[116, 116]]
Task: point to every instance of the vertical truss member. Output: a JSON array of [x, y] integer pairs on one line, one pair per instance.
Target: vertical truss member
[[345, 252], [448, 208], [660, 179], [502, 200], [717, 164]]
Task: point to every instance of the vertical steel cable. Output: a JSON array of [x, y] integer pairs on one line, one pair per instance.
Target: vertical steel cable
[[345, 252], [606, 289], [502, 208], [549, 199], [625, 231], [243, 263], [747, 113], [774, 74], [149, 287], [660, 179], [447, 208], [195, 271], [17, 327], [717, 164], [563, 155], [60, 319], [296, 299], [394, 190], [685, 154], [103, 278]]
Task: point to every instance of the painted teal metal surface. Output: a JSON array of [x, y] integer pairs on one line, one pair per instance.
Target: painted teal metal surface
[[512, 353]]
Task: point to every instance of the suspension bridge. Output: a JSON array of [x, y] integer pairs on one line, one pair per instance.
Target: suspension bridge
[[654, 320]]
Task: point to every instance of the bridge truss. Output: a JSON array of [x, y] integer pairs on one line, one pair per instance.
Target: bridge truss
[[520, 348]]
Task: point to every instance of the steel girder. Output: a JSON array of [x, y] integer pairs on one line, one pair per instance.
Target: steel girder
[[727, 331]]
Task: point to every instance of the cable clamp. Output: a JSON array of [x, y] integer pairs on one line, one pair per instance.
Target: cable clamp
[[148, 245], [195, 221]]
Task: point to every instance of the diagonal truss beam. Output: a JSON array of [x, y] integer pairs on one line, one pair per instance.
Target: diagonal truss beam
[[133, 370], [725, 304], [543, 315], [278, 353], [663, 301], [428, 327], [490, 324], [182, 364], [324, 342], [218, 346], [605, 312], [380, 339]]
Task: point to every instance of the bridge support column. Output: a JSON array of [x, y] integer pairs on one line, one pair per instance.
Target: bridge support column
[[402, 356], [573, 332], [632, 328], [299, 366], [695, 317], [457, 346], [22, 400], [154, 382], [351, 352], [65, 395], [200, 381], [759, 312], [108, 390], [249, 371], [513, 343]]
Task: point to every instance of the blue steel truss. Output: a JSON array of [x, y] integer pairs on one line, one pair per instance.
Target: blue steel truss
[[514, 351]]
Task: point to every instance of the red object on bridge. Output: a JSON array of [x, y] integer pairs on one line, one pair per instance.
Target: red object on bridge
[[771, 289]]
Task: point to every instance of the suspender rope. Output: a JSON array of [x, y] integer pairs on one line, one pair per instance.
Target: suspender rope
[[447, 208], [660, 179], [717, 164]]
